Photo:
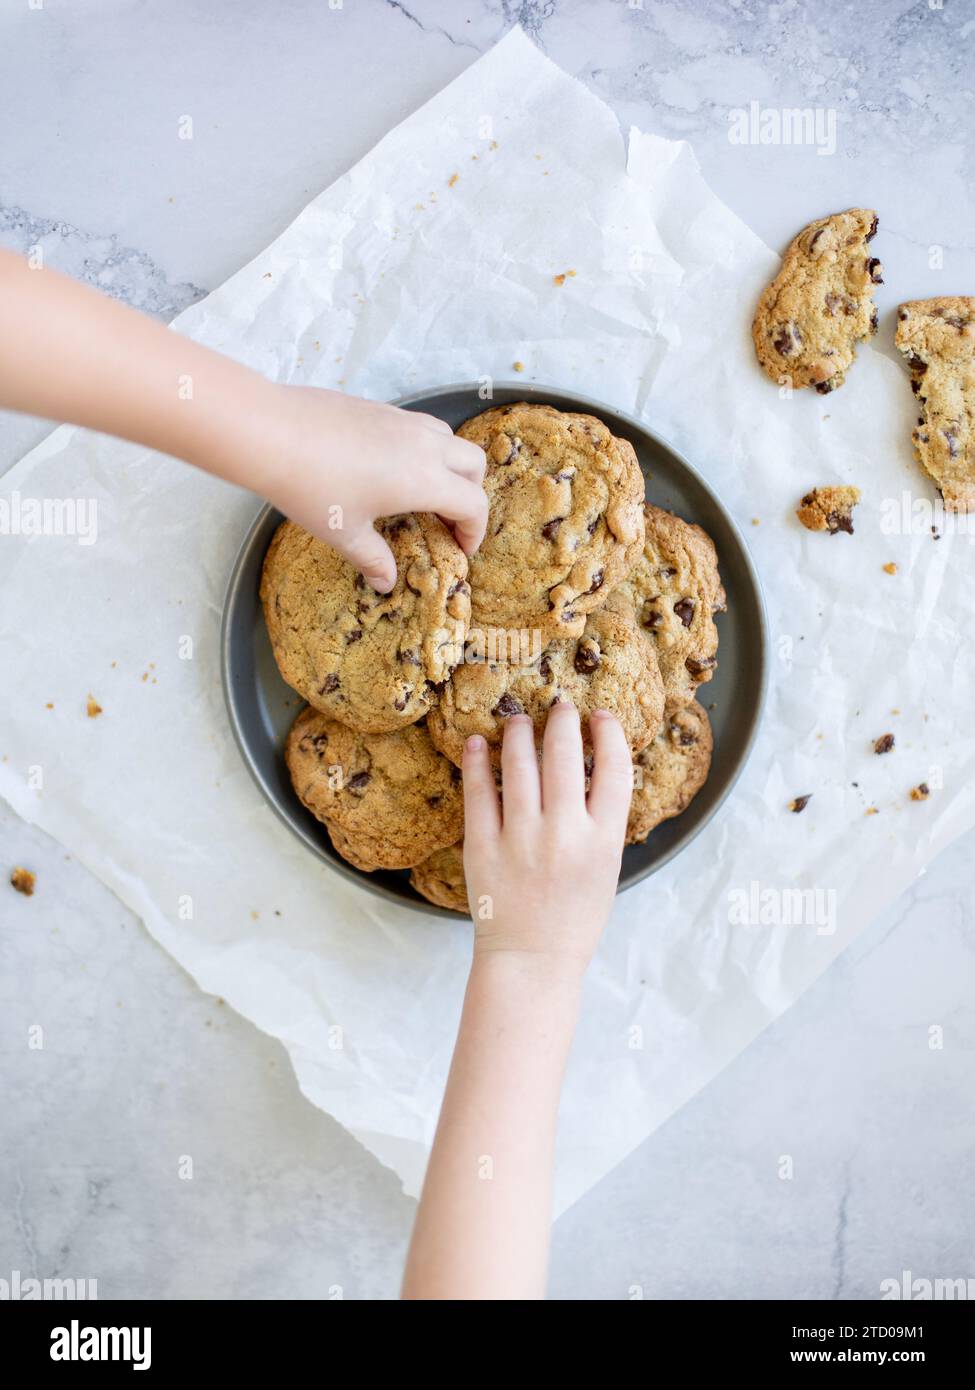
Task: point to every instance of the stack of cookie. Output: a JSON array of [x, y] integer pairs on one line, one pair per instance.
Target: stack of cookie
[[580, 591]]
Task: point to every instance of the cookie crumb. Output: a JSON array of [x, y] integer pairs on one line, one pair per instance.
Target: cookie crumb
[[23, 881], [93, 707], [871, 811], [890, 567], [935, 533], [829, 509], [884, 744], [558, 279], [756, 521], [518, 366], [800, 803], [452, 180], [921, 792], [49, 705]]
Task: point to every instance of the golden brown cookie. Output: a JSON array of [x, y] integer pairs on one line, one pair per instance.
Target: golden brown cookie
[[820, 305], [674, 590], [440, 879], [388, 800], [937, 337], [670, 771], [565, 518], [373, 661], [829, 509], [611, 666]]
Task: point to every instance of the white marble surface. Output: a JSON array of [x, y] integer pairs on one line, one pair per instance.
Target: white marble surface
[[138, 1068]]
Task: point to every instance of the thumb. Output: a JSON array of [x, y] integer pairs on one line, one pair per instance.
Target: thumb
[[370, 554]]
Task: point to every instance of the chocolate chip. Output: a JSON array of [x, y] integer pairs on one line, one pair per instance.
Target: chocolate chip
[[698, 667], [597, 582], [873, 270], [917, 364], [814, 238], [800, 803], [873, 230], [592, 525], [354, 636], [506, 706], [685, 611], [551, 528], [545, 669], [513, 452], [874, 320], [454, 774], [397, 524], [652, 618], [403, 700], [409, 658], [434, 800], [839, 521], [825, 387], [357, 781], [329, 684], [786, 339], [884, 744], [587, 657]]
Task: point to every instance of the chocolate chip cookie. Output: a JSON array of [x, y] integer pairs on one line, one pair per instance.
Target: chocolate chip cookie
[[388, 800], [373, 661], [611, 665], [674, 591], [565, 521], [440, 879], [670, 771], [820, 305], [937, 337], [829, 509]]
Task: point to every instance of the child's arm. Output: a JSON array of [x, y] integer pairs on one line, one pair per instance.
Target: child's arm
[[545, 871], [69, 353]]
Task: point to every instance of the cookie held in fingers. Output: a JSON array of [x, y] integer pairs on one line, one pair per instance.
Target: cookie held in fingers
[[829, 509], [388, 800], [565, 523], [820, 305], [373, 661], [674, 591], [611, 666], [937, 338], [670, 771], [440, 879]]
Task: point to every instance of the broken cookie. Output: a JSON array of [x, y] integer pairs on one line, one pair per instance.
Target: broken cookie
[[829, 509], [937, 339], [820, 305]]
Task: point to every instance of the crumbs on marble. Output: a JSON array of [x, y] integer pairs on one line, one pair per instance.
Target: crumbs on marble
[[22, 880]]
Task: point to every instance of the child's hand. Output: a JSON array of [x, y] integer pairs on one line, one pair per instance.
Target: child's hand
[[542, 871], [335, 457]]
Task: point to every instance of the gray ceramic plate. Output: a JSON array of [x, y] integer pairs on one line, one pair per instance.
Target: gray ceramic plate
[[262, 708]]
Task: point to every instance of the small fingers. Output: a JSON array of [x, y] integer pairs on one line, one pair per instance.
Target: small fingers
[[563, 774], [612, 775], [368, 551], [465, 504], [430, 422], [465, 458], [520, 791], [482, 814]]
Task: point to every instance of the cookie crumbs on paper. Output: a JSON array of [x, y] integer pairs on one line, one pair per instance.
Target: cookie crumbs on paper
[[22, 880], [921, 792], [93, 707], [829, 509], [884, 744], [890, 567], [800, 803]]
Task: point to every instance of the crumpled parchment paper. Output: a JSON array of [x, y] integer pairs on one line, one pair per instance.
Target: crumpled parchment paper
[[433, 261]]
